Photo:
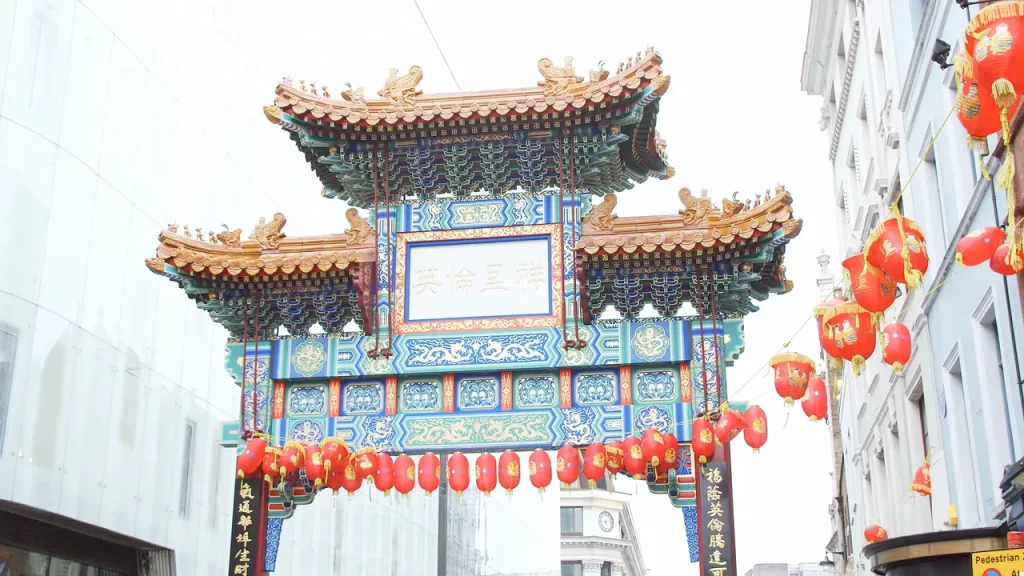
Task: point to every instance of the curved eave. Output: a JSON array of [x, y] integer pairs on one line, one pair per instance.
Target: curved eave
[[293, 256], [670, 233], [320, 111]]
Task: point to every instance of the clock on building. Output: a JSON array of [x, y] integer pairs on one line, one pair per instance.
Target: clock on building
[[605, 521]]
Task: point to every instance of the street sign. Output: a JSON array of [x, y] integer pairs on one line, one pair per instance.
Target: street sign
[[998, 563]]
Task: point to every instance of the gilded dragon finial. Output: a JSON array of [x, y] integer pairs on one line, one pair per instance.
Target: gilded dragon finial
[[359, 228], [402, 91], [696, 209], [600, 216], [354, 95], [269, 234], [230, 238], [558, 80]]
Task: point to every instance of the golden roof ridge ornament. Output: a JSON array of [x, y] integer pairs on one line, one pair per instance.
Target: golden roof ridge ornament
[[696, 209], [600, 216], [354, 95], [269, 234], [557, 80], [359, 227], [401, 90]]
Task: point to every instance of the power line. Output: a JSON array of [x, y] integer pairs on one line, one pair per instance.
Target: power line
[[434, 38]]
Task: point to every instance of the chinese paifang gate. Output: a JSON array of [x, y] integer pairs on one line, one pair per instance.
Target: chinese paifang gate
[[464, 315]]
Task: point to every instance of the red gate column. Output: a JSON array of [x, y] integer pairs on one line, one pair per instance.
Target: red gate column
[[715, 521]]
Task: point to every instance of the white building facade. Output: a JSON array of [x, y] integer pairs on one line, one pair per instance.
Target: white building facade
[[599, 536], [112, 385], [958, 399]]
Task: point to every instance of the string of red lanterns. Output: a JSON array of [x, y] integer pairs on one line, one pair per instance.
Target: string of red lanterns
[[330, 464]]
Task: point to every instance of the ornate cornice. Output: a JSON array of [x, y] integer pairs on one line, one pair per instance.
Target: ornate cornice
[[851, 59], [560, 91], [697, 227]]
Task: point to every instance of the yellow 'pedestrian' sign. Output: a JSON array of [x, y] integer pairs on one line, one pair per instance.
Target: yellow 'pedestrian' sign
[[998, 563]]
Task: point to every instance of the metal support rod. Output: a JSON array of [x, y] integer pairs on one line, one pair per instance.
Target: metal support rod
[[442, 518]]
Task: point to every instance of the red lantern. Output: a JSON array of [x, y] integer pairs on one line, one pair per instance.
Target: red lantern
[[334, 452], [384, 478], [755, 434], [975, 107], [316, 473], [873, 288], [271, 468], [405, 474], [897, 246], [293, 458], [458, 472], [729, 424], [614, 452], [822, 313], [508, 471], [992, 37], [703, 443], [853, 330], [365, 462], [652, 443], [249, 461], [791, 372], [336, 477], [350, 479], [633, 458], [567, 465], [815, 404], [875, 533], [979, 245], [429, 473], [895, 340], [540, 470], [593, 463], [1001, 262], [486, 473], [671, 459], [923, 479]]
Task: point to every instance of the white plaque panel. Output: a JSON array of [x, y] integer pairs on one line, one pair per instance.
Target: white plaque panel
[[492, 278], [497, 278]]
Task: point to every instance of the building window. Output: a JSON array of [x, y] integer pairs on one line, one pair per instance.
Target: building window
[[572, 520], [8, 350], [572, 568], [606, 569], [184, 494]]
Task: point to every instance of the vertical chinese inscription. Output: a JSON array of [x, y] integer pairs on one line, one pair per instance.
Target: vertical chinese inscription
[[714, 505], [247, 522]]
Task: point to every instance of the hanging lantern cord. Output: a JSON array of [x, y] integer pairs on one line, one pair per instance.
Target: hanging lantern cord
[[245, 360]]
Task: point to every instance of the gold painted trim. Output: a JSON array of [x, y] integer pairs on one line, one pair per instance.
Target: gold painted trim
[[553, 231]]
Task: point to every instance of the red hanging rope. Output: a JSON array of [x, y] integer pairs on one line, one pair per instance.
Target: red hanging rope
[[255, 363], [561, 228], [245, 360], [703, 357], [389, 272], [576, 309], [714, 331], [375, 321]]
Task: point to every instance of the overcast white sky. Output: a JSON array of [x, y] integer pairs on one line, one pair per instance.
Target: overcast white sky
[[735, 120]]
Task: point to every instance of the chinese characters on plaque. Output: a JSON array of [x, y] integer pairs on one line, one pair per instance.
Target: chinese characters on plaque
[[714, 505], [246, 523], [478, 279]]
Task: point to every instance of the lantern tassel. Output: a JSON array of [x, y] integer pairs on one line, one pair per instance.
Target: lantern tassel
[[980, 145], [1004, 93]]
